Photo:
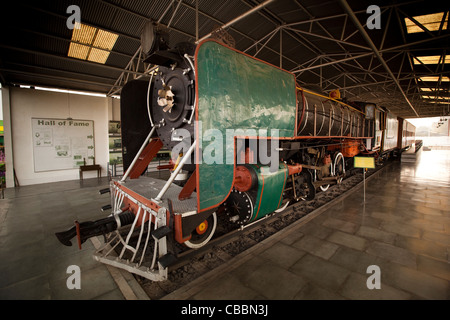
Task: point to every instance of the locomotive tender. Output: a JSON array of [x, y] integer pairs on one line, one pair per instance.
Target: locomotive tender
[[246, 141]]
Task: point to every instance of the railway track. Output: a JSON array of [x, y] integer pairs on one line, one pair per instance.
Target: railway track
[[229, 243]]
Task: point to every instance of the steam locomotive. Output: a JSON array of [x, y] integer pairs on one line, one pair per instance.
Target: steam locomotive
[[246, 142]]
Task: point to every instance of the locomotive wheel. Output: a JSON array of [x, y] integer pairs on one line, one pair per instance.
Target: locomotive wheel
[[306, 188], [339, 166], [324, 187], [203, 233], [239, 207]]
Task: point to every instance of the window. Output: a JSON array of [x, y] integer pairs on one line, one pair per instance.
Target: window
[[90, 43], [431, 22]]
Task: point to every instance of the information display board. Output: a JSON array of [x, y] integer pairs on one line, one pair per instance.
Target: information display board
[[60, 144], [364, 162]]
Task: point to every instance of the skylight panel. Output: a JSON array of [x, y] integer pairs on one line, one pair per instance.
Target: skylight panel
[[84, 34], [438, 102], [431, 59], [434, 79], [105, 40], [431, 22], [78, 51], [435, 97], [98, 55], [92, 44]]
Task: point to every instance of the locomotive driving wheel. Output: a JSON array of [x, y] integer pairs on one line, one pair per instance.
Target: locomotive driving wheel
[[202, 233], [339, 166]]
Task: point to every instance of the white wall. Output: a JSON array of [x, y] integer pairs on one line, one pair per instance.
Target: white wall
[[27, 103]]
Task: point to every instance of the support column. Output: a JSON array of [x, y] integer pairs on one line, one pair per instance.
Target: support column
[[7, 124]]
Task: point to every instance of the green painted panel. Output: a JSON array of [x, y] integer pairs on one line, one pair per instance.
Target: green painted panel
[[270, 190], [236, 91]]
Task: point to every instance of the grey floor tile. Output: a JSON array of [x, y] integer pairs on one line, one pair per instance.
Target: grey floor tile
[[34, 288], [327, 275], [357, 261], [392, 253], [316, 246], [274, 282], [419, 284], [438, 268], [94, 283], [341, 225], [282, 254], [376, 234], [348, 240], [401, 228], [423, 247]]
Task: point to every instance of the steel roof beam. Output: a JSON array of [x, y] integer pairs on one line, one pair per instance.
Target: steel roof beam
[[87, 63], [84, 22], [327, 38], [52, 77], [72, 73], [333, 62], [70, 40], [238, 18], [375, 50]]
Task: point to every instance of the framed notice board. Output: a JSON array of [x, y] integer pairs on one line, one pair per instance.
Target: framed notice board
[[60, 144], [364, 162]]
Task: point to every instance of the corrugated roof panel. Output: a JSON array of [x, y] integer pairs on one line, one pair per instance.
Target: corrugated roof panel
[[288, 11], [211, 7], [117, 61], [128, 23], [75, 65], [206, 26], [98, 12], [126, 45], [185, 21], [231, 10], [151, 9], [255, 27]]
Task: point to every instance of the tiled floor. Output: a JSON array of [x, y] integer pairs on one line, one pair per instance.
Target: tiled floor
[[33, 264], [403, 228]]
